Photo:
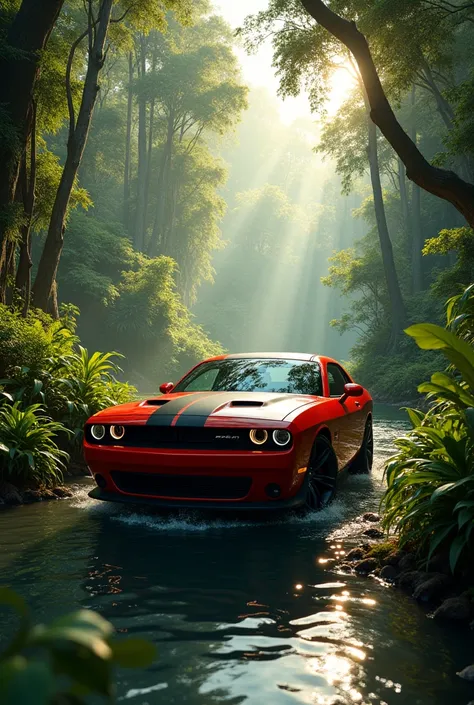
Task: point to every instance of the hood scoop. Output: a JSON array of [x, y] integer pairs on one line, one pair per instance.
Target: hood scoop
[[244, 403], [156, 402]]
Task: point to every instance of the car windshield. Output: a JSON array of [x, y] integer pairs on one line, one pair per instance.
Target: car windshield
[[254, 375]]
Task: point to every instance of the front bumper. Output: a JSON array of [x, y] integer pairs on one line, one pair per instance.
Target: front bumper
[[270, 505], [260, 469]]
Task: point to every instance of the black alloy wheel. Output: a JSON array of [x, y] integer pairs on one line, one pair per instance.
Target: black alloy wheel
[[322, 474], [364, 460]]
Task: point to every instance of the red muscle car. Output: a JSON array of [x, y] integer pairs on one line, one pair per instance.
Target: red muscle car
[[251, 431]]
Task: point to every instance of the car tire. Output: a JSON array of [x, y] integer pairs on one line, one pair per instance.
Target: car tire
[[322, 473], [363, 461]]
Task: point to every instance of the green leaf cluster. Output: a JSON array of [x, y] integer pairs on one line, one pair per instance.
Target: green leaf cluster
[[429, 500], [66, 661]]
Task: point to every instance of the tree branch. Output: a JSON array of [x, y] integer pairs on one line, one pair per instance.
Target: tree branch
[[439, 182], [70, 102]]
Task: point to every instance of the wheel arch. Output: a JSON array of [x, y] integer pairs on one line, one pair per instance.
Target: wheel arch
[[323, 431]]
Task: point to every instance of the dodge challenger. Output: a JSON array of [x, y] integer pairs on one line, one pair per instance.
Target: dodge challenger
[[249, 431]]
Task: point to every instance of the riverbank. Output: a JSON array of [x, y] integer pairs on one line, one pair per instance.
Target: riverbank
[[11, 495], [445, 597]]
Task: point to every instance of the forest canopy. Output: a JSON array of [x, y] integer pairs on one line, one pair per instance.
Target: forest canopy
[[147, 184]]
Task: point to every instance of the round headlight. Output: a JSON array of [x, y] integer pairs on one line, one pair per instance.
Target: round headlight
[[258, 436], [281, 437], [98, 432], [117, 432]]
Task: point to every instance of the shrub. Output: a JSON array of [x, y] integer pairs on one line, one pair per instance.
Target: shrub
[[30, 342], [430, 481], [28, 451], [90, 385], [67, 661]]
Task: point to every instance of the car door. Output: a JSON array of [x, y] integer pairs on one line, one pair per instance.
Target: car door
[[349, 431]]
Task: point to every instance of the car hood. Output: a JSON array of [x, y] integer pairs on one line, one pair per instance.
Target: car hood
[[200, 408]]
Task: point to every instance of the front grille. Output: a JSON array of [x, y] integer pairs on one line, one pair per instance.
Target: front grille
[[191, 438], [182, 486]]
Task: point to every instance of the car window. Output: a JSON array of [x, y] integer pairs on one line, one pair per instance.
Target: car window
[[205, 381], [254, 375], [337, 379]]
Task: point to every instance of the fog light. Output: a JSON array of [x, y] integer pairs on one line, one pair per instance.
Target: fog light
[[117, 432], [281, 437], [98, 432], [273, 490], [101, 481], [258, 436]]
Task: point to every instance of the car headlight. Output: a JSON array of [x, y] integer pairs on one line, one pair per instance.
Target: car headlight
[[258, 436], [281, 437], [117, 432], [98, 432]]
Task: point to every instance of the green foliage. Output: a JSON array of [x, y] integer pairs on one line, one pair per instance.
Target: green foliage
[[28, 451], [90, 386], [430, 481], [457, 243], [30, 342], [67, 661], [55, 374]]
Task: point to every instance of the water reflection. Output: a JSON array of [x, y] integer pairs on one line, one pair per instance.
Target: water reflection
[[241, 611]]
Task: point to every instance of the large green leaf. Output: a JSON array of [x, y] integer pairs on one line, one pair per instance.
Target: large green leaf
[[86, 669], [53, 636], [457, 547], [431, 337]]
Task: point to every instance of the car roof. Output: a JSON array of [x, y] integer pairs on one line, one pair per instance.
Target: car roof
[[308, 357]]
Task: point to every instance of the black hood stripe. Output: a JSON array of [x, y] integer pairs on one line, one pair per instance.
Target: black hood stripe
[[198, 413], [164, 415]]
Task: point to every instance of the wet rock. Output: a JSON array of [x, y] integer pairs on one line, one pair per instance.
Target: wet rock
[[409, 579], [62, 492], [10, 494], [371, 516], [455, 609], [48, 494], [30, 496], [433, 588], [374, 533], [356, 554], [468, 674], [439, 564], [407, 562], [366, 566], [393, 559], [346, 567], [388, 573]]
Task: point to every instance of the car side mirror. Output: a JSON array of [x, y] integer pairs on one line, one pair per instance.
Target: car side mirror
[[166, 388], [351, 390]]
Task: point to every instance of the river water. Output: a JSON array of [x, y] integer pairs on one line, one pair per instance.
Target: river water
[[242, 611]]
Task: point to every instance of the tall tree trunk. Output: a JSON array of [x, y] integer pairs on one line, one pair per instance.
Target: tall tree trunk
[[416, 227], [417, 240], [28, 34], [139, 234], [397, 306], [78, 133], [444, 108], [440, 182], [126, 174], [158, 238], [23, 272], [402, 185]]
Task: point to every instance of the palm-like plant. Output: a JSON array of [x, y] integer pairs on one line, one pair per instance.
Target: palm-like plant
[[28, 451], [90, 385], [430, 481]]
